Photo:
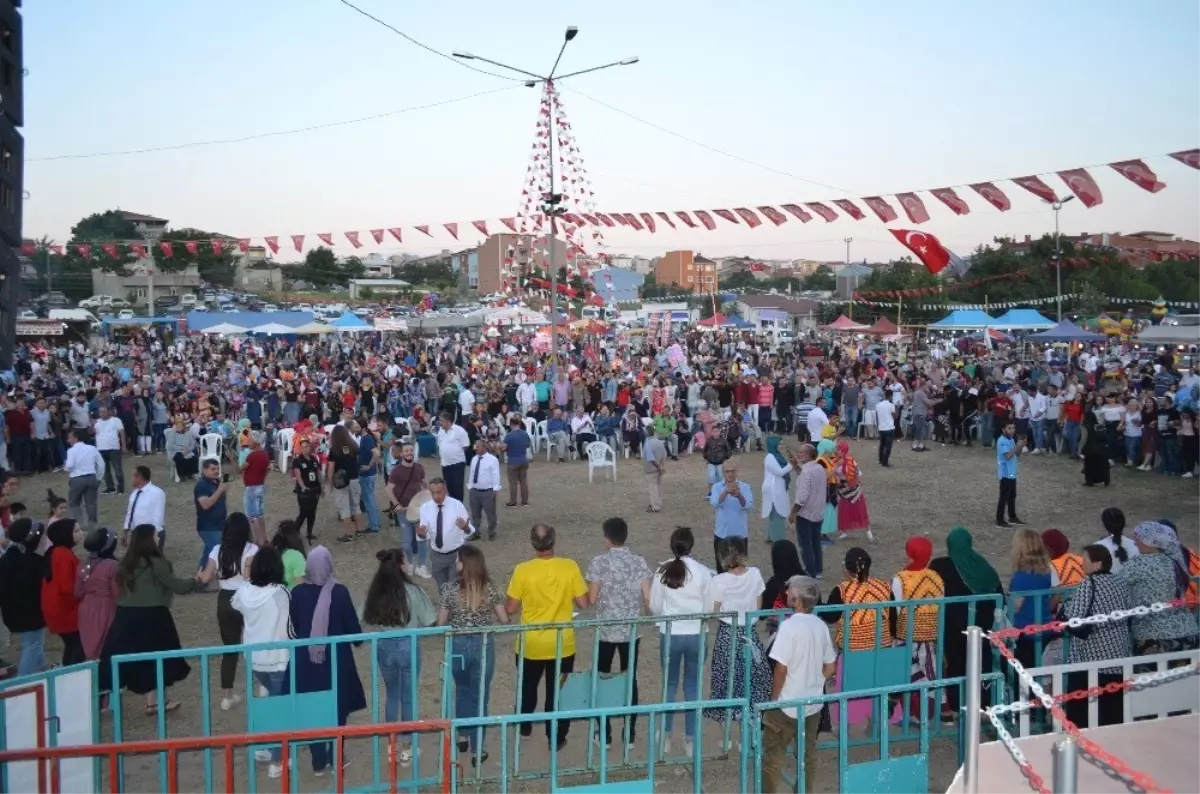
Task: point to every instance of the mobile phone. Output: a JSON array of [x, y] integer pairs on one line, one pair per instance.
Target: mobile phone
[[225, 477]]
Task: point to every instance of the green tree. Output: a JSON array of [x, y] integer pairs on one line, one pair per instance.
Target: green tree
[[211, 267], [353, 267], [321, 268], [821, 279], [104, 227]]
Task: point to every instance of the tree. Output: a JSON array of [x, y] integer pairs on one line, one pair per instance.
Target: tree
[[353, 267], [821, 279], [321, 268], [211, 267], [104, 226]]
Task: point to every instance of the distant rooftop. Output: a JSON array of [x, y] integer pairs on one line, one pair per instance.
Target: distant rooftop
[[137, 216]]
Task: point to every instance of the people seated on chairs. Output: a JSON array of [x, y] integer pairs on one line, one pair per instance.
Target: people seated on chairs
[[663, 426], [181, 449], [631, 432], [584, 430], [607, 427], [559, 433]]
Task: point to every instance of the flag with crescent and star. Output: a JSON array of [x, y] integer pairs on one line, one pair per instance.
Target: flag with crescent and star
[[935, 256]]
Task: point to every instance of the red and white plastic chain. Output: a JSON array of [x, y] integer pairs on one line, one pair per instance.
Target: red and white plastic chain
[[1140, 779], [1144, 679], [1119, 614], [1035, 780]]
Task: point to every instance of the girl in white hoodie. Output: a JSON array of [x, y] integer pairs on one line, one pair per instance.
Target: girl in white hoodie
[[264, 604]]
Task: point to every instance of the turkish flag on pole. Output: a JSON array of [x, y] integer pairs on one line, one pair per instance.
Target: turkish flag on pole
[[298, 241], [395, 232], [930, 251], [666, 219], [167, 249], [110, 249], [747, 214], [829, 215], [727, 215], [914, 208], [138, 249], [948, 197], [993, 195], [847, 206], [798, 211], [243, 244], [192, 247], [326, 237], [648, 220], [511, 223], [272, 243], [683, 216], [1139, 174], [1037, 187], [353, 238], [481, 227], [1190, 157], [1081, 184], [705, 219], [378, 235], [217, 247], [450, 227], [773, 215], [424, 230], [881, 208]]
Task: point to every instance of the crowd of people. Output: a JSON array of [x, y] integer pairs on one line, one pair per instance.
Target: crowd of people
[[339, 415]]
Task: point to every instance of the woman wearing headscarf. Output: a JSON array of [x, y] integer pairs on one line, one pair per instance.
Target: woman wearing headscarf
[[21, 570], [776, 499], [785, 563], [852, 502], [964, 572], [915, 582], [96, 590], [322, 608], [1157, 575], [1096, 444], [1100, 593], [1193, 564], [59, 605], [1068, 567], [827, 457]]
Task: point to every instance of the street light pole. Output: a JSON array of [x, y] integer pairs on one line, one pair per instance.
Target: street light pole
[[552, 200], [1057, 206]]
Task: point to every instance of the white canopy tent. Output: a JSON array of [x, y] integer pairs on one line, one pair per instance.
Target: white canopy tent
[[515, 315]]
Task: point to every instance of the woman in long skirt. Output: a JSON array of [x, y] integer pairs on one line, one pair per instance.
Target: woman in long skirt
[[1095, 448], [738, 590], [777, 481], [852, 511]]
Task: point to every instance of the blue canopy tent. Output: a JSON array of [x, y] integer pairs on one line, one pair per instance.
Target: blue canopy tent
[[963, 320], [198, 321], [1023, 320], [737, 322], [1067, 331], [351, 322]]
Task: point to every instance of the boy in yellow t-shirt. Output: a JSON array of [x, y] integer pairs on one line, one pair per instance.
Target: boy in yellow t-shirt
[[545, 589]]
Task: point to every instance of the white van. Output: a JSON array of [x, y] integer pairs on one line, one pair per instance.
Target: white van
[[187, 302]]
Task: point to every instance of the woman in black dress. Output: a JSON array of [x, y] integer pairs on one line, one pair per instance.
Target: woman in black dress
[[1095, 445]]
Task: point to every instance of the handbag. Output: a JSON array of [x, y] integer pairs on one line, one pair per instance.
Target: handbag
[[340, 479]]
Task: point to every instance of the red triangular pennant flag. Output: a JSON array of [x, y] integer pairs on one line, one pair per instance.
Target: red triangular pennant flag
[[607, 221], [773, 215], [1139, 174], [726, 215], [217, 247], [619, 217], [847, 206], [243, 244], [1190, 157], [298, 241], [450, 227], [648, 219], [326, 237], [138, 249], [746, 214], [28, 248], [395, 232], [378, 235], [914, 208], [511, 223], [1037, 187], [666, 219], [481, 227], [110, 249], [272, 243], [829, 215], [84, 249], [948, 197], [798, 211], [1082, 185], [167, 249], [192, 247], [424, 230], [632, 220], [683, 216], [353, 238], [881, 208], [705, 219], [993, 195]]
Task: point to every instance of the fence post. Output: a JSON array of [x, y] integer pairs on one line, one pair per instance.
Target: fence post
[[971, 713], [1066, 765]]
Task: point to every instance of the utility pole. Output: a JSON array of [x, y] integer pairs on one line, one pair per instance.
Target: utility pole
[[847, 241], [1057, 207]]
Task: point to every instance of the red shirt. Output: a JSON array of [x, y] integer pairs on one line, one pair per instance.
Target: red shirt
[[1073, 412], [752, 394], [1001, 407], [257, 463], [20, 423], [59, 607]]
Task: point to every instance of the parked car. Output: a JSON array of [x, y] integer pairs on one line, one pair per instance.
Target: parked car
[[54, 298], [188, 301], [27, 314], [270, 308], [125, 314]]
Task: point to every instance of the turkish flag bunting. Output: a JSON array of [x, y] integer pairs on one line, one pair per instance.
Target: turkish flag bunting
[[571, 217], [619, 217], [928, 249], [948, 197], [395, 232], [829, 215], [84, 250], [666, 219], [1081, 184], [217, 247], [192, 247], [481, 227], [705, 219], [993, 195], [452, 228], [511, 223], [592, 219], [1190, 157], [914, 208], [881, 208], [28, 248], [272, 243], [687, 219], [798, 211], [773, 215], [648, 220], [243, 244], [424, 230], [110, 249], [326, 237], [607, 221], [847, 206], [167, 249], [298, 241], [758, 267], [1139, 174], [378, 235], [747, 214], [632, 220], [353, 238], [1037, 187], [727, 215]]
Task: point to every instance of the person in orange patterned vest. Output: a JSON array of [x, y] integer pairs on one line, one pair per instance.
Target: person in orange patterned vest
[[1068, 567], [913, 583]]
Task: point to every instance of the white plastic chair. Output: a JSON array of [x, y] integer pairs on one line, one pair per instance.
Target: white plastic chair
[[283, 446], [531, 428], [212, 445], [869, 424], [541, 436], [601, 456]]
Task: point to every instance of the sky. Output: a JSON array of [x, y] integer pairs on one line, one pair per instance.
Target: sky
[[809, 101]]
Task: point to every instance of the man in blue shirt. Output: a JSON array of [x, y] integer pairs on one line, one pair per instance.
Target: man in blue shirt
[[517, 443], [559, 433], [1008, 449], [732, 501], [209, 498]]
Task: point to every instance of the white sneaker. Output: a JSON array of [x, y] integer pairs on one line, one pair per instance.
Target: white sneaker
[[275, 771], [1036, 452], [406, 756], [687, 747], [230, 702], [423, 572], [262, 691], [262, 756], [1186, 475]]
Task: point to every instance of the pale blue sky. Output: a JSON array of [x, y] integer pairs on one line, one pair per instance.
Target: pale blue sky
[[867, 96]]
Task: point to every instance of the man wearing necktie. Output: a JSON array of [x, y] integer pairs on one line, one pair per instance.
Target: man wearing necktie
[[147, 505], [484, 482], [445, 522]]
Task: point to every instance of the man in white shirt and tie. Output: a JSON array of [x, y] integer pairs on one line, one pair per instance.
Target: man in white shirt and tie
[[84, 468], [445, 524], [483, 481], [452, 442], [147, 505]]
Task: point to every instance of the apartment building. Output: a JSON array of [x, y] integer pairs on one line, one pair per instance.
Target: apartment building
[[689, 270]]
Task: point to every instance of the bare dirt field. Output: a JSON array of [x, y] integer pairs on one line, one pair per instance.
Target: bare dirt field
[[925, 494]]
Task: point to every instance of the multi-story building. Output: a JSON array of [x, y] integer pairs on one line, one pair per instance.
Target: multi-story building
[[376, 266], [686, 269], [1137, 250], [524, 251]]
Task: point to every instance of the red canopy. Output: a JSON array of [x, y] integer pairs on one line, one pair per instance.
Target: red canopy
[[716, 320], [883, 327], [844, 323]]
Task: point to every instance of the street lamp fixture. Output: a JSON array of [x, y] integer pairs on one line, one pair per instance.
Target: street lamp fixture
[[572, 32], [466, 56]]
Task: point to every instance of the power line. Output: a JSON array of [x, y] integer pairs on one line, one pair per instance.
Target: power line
[[426, 47], [262, 135]]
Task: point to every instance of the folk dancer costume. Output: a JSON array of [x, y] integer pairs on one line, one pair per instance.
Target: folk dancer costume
[[917, 582], [827, 457], [852, 502]]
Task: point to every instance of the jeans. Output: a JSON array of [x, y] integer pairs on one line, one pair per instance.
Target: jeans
[[683, 655], [158, 437], [987, 421], [1071, 437], [399, 666], [209, 541], [1170, 453], [47, 458], [33, 652], [886, 437], [1039, 434], [765, 421], [852, 417], [20, 450], [716, 473], [414, 547], [472, 665], [1133, 450], [273, 681], [1050, 435], [808, 537], [604, 664], [370, 508]]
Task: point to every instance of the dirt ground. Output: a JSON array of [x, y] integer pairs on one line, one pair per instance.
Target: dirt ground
[[921, 493]]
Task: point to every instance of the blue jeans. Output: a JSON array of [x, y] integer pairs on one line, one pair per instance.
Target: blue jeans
[[852, 418], [33, 652], [472, 665], [273, 682], [1133, 449], [716, 473], [413, 546], [684, 655], [252, 501], [1071, 437], [1169, 446], [399, 666], [158, 436], [209, 540], [986, 421], [1039, 434], [370, 508], [808, 537]]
